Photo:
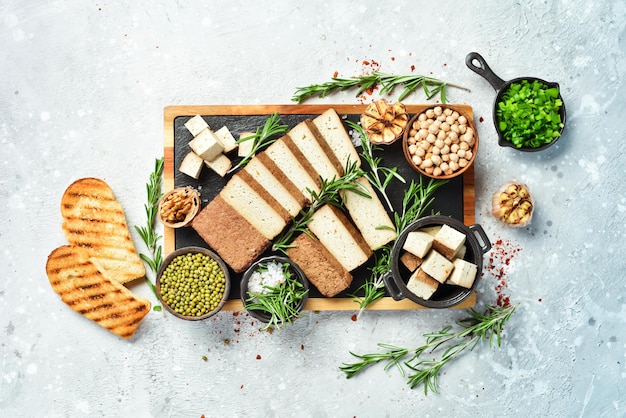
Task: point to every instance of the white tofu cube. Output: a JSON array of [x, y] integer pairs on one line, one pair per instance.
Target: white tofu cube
[[191, 165], [463, 274], [227, 139], [437, 266], [448, 241], [421, 284], [418, 243], [245, 147], [196, 125], [221, 164], [206, 145]]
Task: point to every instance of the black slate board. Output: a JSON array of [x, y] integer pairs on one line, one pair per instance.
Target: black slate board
[[448, 198]]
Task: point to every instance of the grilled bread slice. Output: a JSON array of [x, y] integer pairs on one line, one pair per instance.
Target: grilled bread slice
[[89, 292], [95, 221]]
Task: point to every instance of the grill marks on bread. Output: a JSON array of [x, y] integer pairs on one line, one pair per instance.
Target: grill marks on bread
[[84, 288], [95, 221]]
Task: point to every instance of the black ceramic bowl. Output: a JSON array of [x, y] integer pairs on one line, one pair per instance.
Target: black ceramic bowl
[[295, 271], [477, 63], [446, 295], [194, 250]]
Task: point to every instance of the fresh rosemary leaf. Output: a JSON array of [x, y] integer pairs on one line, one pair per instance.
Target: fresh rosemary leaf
[[148, 233], [368, 82], [263, 137], [475, 328]]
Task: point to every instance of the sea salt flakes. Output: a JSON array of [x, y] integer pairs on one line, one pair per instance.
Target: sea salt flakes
[[272, 276]]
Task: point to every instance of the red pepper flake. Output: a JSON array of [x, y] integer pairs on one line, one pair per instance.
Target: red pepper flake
[[481, 119], [412, 68], [258, 357], [235, 313], [366, 62], [301, 346], [539, 299], [393, 58], [354, 317], [335, 74], [500, 257]]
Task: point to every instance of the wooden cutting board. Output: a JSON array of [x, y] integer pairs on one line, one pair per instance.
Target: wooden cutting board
[[460, 192]]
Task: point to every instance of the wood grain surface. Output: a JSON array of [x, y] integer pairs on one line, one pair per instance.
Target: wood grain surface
[[317, 303]]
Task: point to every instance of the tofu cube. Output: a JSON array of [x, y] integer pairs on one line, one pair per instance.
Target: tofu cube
[[422, 285], [206, 145], [418, 243], [245, 147], [221, 164], [196, 125], [410, 261], [191, 165], [448, 241], [463, 274], [226, 139], [437, 266], [461, 252]]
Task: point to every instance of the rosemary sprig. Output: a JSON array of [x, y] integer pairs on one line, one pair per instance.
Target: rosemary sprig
[[388, 82], [417, 198], [475, 328], [279, 301], [148, 232], [376, 170], [263, 137], [330, 193]]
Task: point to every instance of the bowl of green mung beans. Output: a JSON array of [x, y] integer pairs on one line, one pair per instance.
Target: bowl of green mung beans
[[528, 113], [193, 283]]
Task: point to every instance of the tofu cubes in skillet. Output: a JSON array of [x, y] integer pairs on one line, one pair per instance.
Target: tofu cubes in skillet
[[435, 257]]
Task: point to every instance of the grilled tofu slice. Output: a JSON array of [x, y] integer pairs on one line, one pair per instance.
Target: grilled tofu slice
[[89, 292], [95, 220]]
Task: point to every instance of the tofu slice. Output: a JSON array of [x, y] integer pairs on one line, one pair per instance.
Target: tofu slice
[[251, 206], [196, 125], [286, 161], [191, 165], [463, 274], [418, 243], [340, 237], [369, 215], [227, 139], [331, 127], [245, 147], [206, 145], [220, 164], [307, 143], [422, 285], [265, 178], [437, 266]]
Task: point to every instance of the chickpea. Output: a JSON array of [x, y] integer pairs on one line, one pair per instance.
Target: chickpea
[[462, 129], [462, 120], [461, 153], [431, 138], [445, 126], [422, 117], [425, 145], [444, 166], [441, 135], [427, 163], [445, 149], [435, 150], [430, 113], [468, 155], [462, 162], [450, 120], [436, 160], [436, 171], [454, 158], [455, 115], [429, 170], [447, 111], [420, 152], [438, 110], [447, 141], [412, 148], [412, 141], [412, 132], [454, 137], [423, 133], [454, 148], [454, 165], [445, 157], [454, 128], [417, 160], [464, 146]]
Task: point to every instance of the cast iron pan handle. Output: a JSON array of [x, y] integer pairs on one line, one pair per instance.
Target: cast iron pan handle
[[483, 70], [392, 288], [483, 242]]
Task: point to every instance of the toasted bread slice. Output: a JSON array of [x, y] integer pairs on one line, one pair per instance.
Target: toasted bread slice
[[95, 221], [89, 292]]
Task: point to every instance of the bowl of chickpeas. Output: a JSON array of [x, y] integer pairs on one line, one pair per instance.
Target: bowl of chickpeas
[[193, 283], [440, 142]]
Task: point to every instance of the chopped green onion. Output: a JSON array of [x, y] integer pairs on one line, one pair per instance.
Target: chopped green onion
[[527, 114]]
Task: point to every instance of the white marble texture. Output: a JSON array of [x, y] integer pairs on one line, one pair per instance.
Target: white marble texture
[[83, 85]]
